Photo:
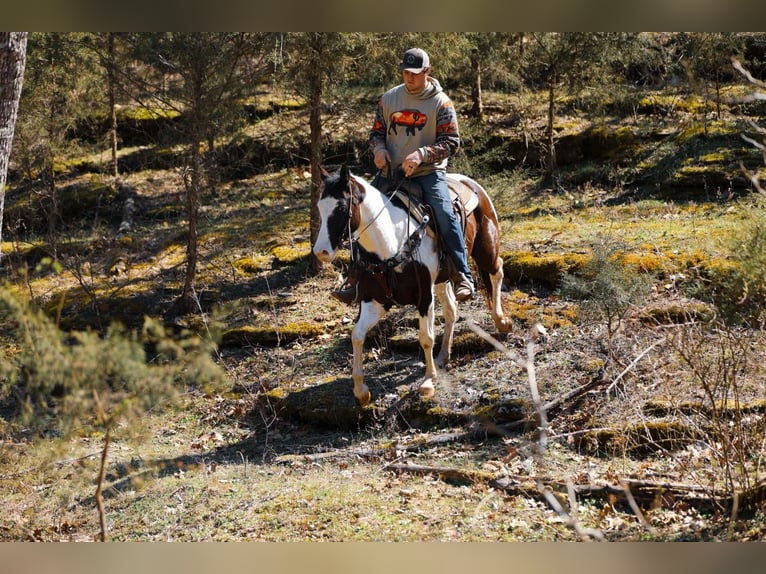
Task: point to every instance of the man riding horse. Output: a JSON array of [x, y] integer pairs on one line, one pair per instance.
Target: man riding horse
[[422, 155]]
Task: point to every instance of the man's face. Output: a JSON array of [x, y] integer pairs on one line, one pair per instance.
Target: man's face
[[414, 82]]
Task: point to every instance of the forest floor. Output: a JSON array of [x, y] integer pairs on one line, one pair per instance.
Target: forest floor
[[654, 424]]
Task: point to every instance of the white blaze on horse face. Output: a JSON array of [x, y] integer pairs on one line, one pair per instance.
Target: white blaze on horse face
[[323, 248]]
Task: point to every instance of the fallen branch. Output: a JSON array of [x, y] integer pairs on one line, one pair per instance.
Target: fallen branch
[[379, 452], [444, 473]]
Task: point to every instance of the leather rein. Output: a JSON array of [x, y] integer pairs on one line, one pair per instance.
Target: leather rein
[[382, 271]]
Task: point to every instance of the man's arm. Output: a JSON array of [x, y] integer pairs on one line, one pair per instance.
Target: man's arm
[[447, 141]]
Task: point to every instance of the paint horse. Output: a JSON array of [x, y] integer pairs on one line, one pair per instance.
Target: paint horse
[[401, 263]]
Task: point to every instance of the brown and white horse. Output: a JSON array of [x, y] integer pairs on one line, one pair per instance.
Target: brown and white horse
[[400, 262]]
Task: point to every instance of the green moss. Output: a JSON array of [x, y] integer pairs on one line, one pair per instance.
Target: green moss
[[142, 113], [677, 313], [506, 411], [252, 264], [547, 268], [640, 439], [270, 335], [285, 254]]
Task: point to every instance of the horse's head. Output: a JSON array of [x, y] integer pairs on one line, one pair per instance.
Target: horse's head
[[338, 205]]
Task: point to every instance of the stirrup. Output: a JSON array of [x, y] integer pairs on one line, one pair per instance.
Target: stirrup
[[349, 295]]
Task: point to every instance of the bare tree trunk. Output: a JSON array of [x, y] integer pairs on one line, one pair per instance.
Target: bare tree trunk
[[112, 109], [186, 304], [13, 53], [551, 116], [315, 125], [477, 110], [103, 535]]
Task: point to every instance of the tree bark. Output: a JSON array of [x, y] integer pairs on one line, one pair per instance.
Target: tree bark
[[193, 185], [112, 106], [315, 126], [477, 109], [13, 52], [551, 117]]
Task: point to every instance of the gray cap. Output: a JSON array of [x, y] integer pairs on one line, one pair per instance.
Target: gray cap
[[415, 60]]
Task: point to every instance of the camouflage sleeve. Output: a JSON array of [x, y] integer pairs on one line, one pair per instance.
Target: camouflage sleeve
[[378, 132], [447, 135]]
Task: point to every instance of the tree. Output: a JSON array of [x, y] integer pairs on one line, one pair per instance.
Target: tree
[[708, 58], [13, 51], [201, 77], [319, 56], [58, 90], [492, 57], [568, 60]]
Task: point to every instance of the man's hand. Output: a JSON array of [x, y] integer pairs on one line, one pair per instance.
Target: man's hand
[[381, 158], [411, 162]]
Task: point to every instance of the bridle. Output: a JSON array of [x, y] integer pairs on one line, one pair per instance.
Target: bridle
[[406, 251]]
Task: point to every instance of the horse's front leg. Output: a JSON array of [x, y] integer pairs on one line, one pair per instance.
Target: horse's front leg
[[449, 309], [369, 314], [427, 343]]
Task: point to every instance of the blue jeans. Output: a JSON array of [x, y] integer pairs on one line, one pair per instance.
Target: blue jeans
[[436, 194]]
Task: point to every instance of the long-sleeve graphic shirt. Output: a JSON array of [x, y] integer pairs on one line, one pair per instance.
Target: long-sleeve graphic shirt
[[406, 122]]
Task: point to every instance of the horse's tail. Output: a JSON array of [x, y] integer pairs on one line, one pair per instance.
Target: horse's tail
[[485, 248]]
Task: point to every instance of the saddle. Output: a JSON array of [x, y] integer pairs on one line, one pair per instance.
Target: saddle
[[464, 198]]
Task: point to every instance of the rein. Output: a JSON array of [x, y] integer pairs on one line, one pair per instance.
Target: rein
[[384, 268]]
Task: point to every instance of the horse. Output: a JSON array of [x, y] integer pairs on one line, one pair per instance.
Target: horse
[[401, 263]]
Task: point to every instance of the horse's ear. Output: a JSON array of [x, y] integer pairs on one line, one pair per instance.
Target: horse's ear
[[344, 173], [324, 172]]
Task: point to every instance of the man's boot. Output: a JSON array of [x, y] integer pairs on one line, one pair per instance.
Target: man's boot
[[348, 293], [463, 287]]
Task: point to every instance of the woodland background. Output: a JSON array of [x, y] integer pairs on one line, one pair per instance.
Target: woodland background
[[174, 368]]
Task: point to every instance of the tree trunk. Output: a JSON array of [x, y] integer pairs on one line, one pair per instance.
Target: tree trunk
[[13, 51], [551, 116], [186, 304], [110, 81], [315, 125], [477, 110]]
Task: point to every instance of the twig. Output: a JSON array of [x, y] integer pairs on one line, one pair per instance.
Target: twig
[[99, 488], [633, 363], [582, 532], [636, 509], [528, 364], [742, 70]]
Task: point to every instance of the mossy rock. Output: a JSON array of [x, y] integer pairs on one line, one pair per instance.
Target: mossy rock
[[253, 264], [330, 404], [690, 408], [503, 411], [519, 266], [640, 439], [678, 313], [270, 335]]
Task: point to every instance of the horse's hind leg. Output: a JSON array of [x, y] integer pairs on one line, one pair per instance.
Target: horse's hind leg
[[449, 309], [502, 324], [369, 314]]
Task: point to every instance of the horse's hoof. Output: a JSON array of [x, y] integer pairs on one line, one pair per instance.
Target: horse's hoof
[[363, 396], [427, 389], [505, 326]]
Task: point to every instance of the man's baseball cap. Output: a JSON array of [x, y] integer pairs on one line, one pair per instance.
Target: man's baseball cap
[[415, 60]]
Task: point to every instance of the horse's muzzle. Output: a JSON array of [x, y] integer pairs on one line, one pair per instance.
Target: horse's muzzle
[[324, 255]]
